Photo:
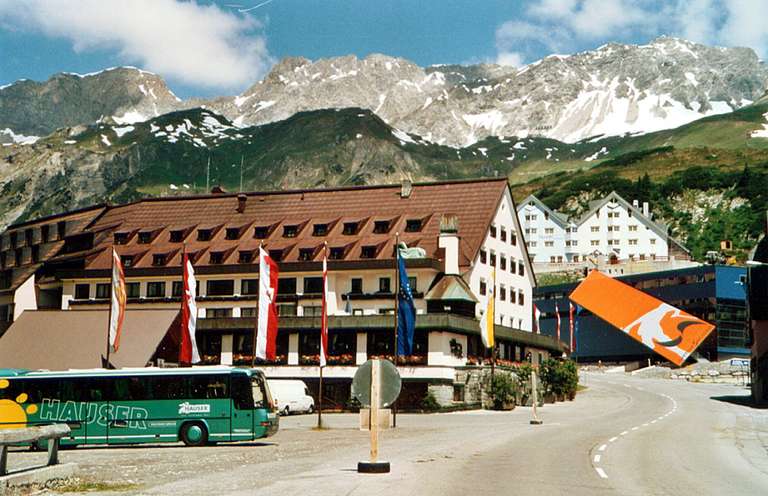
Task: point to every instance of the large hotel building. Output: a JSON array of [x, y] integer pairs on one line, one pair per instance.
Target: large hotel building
[[54, 284]]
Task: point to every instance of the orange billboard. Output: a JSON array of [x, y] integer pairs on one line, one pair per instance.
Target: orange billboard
[[669, 331]]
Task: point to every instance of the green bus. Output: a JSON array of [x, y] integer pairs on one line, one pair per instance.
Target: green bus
[[198, 405]]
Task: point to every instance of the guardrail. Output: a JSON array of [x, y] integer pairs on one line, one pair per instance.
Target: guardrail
[[51, 433]]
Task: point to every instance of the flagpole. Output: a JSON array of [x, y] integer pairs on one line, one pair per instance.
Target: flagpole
[[493, 326], [112, 290], [183, 303], [397, 311], [323, 324], [253, 344]]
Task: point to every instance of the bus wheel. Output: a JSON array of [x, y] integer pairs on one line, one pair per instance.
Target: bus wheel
[[194, 434]]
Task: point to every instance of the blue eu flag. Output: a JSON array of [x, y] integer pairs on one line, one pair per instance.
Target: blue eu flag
[[406, 311]]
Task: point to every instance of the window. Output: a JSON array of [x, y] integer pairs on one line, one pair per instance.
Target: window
[[249, 287], [513, 238], [216, 258], [653, 241], [502, 262], [532, 244], [503, 233], [35, 253], [549, 230], [493, 259], [204, 234], [412, 283], [350, 228], [552, 259], [45, 233], [103, 290], [413, 225], [261, 232], [132, 290], [384, 285], [145, 237], [632, 228], [594, 242], [286, 286], [312, 311], [82, 291], [245, 257], [356, 285], [502, 293], [220, 287], [521, 268], [320, 230], [512, 295], [155, 290], [642, 256], [521, 297], [483, 287], [61, 229], [290, 231], [176, 236], [533, 230], [381, 227], [127, 261], [493, 231], [176, 288], [246, 312], [594, 229], [276, 255], [212, 313], [158, 259], [121, 238], [313, 285], [336, 253], [306, 254], [368, 251], [232, 233], [534, 217], [632, 241], [549, 244], [286, 310], [483, 256]]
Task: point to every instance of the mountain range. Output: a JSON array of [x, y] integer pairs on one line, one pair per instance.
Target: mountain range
[[121, 133]]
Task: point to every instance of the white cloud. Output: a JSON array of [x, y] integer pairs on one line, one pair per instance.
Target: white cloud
[[569, 25], [195, 44], [513, 59]]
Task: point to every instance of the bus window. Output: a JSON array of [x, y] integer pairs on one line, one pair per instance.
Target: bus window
[[241, 392], [208, 387]]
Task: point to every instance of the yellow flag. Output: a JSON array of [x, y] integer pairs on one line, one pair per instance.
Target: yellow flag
[[486, 323]]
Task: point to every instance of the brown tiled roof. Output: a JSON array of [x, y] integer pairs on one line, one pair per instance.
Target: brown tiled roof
[[474, 202]]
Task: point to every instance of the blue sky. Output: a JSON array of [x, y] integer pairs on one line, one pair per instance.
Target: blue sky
[[221, 47]]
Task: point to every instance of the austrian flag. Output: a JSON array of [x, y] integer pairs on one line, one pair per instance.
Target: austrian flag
[[188, 350], [266, 333]]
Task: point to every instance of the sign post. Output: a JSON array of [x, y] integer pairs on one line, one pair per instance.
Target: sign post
[[535, 395], [376, 385]]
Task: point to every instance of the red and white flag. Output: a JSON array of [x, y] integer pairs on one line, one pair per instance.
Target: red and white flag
[[188, 349], [324, 319], [117, 305], [266, 331], [557, 316], [573, 338], [536, 318]]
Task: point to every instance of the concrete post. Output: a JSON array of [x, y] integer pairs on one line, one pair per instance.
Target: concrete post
[[293, 348]]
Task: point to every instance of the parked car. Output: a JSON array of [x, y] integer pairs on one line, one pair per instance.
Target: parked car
[[291, 396]]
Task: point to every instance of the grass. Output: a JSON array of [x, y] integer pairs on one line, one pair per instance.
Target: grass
[[86, 485]]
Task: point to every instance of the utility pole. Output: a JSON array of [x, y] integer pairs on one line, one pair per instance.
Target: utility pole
[[241, 173], [208, 176]]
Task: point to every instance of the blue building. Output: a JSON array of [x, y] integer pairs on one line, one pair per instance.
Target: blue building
[[715, 293]]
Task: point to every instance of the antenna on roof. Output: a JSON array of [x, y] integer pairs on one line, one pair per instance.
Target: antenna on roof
[[241, 173], [208, 175]]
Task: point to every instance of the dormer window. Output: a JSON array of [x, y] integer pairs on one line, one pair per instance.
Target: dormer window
[[245, 257], [368, 251], [306, 254], [336, 253], [204, 234], [232, 233], [493, 231], [13, 239], [127, 261], [290, 231], [350, 228], [276, 255], [320, 230], [381, 227], [145, 237], [176, 236], [261, 232], [45, 232], [121, 238], [159, 259], [413, 225], [217, 258], [29, 236]]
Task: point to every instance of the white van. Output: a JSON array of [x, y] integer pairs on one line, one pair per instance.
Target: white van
[[291, 396]]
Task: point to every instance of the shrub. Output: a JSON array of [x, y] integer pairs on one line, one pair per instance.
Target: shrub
[[429, 402], [502, 389]]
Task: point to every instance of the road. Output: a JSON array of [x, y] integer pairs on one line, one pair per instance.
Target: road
[[622, 436]]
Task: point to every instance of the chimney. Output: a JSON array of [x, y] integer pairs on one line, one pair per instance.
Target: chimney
[[646, 209], [635, 203], [406, 187], [449, 240], [217, 190], [241, 199]]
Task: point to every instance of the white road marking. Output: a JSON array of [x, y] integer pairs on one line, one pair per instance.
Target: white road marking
[[601, 472], [645, 424], [612, 439], [624, 433], [597, 458], [654, 421], [635, 428], [602, 448]]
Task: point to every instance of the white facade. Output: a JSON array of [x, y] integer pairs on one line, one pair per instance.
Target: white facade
[[613, 228], [504, 248]]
